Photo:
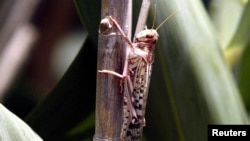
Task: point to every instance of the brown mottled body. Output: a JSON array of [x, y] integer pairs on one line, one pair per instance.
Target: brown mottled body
[[135, 81]]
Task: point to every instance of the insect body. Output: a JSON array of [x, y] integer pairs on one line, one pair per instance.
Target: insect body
[[135, 80], [139, 70]]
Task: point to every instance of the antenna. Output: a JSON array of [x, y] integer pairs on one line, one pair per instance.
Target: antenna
[[170, 16]]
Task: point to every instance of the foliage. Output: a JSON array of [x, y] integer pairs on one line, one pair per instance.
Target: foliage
[[200, 75]]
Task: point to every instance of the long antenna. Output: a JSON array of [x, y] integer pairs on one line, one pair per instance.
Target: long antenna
[[170, 16]]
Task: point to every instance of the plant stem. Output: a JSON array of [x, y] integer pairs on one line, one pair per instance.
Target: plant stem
[[111, 56]]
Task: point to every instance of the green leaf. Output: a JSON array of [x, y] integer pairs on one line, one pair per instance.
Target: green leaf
[[71, 101], [242, 35], [225, 23], [244, 76], [87, 124], [240, 39], [73, 98], [191, 85], [90, 13], [14, 129]]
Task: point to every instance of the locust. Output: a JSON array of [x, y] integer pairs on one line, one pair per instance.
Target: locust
[[135, 78]]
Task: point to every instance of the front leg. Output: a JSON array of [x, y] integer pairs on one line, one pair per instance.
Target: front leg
[[121, 31], [112, 73], [127, 86]]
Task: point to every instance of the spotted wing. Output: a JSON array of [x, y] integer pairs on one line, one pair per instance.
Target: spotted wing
[[139, 75]]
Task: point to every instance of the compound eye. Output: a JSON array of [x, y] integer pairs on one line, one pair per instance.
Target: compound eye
[[149, 36]]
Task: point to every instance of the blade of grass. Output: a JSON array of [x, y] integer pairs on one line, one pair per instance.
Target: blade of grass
[[225, 23], [14, 129], [195, 87], [240, 39], [70, 101], [244, 77]]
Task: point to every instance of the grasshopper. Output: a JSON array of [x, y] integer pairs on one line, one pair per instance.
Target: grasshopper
[[135, 79]]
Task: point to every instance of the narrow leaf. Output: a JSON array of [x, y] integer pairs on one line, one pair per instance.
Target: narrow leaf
[[191, 85], [14, 129]]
